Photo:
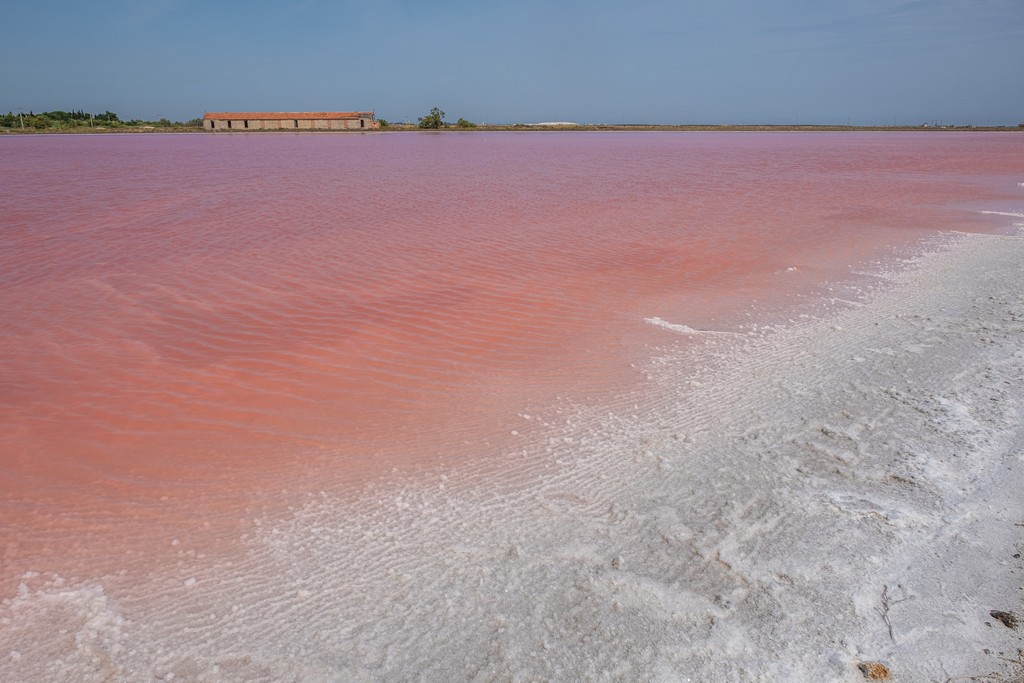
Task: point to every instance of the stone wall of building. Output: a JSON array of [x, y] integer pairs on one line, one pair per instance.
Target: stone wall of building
[[299, 121]]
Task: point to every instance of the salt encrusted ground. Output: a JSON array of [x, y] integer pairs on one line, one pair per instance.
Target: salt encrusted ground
[[837, 492]]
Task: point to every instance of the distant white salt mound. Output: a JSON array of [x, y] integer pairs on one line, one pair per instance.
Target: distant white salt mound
[[553, 123]]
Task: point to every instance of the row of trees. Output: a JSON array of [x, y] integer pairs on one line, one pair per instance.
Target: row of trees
[[60, 120]]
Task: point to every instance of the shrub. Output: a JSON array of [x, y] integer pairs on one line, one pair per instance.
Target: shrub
[[435, 119]]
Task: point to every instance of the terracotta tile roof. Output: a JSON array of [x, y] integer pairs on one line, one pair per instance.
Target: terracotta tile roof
[[286, 115]]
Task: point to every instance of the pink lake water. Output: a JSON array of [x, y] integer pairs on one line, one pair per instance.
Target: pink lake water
[[194, 323]]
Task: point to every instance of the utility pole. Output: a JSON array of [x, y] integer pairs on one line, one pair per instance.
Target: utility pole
[[21, 117]]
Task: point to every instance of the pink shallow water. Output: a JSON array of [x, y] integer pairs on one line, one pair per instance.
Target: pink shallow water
[[193, 321]]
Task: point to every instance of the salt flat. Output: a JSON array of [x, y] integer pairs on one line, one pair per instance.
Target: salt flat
[[809, 502]]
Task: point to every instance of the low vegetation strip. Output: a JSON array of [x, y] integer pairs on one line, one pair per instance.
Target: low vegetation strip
[[77, 121], [80, 121]]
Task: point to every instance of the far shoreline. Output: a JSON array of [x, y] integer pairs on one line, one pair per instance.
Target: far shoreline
[[541, 128]]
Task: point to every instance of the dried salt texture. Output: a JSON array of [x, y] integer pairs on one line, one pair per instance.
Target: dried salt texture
[[837, 494]]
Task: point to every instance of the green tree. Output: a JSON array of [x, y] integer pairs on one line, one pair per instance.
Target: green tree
[[435, 119], [463, 123]]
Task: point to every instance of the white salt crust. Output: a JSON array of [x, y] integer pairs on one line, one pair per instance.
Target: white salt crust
[[806, 500]]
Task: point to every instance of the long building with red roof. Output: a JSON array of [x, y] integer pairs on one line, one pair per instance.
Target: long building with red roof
[[291, 120]]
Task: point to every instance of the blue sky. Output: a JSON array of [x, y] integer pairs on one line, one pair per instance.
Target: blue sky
[[647, 61]]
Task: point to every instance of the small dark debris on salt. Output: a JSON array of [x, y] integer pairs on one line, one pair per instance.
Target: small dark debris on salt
[[1008, 619], [875, 671]]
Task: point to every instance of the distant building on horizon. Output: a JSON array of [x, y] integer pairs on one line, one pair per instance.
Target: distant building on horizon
[[290, 120]]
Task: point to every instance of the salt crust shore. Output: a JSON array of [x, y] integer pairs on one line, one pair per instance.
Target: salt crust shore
[[818, 496]]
